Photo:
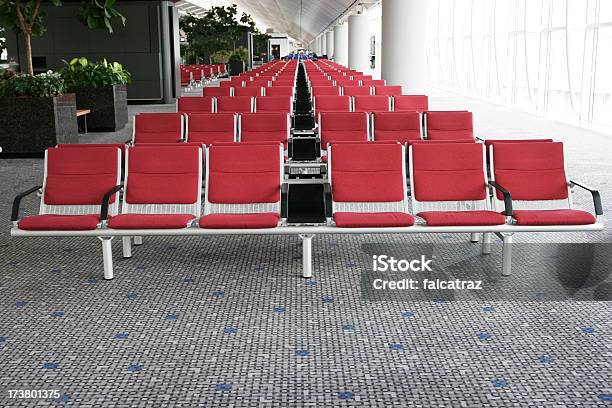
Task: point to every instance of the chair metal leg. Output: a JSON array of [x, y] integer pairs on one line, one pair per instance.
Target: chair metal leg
[[507, 254], [107, 256], [486, 243], [138, 240], [306, 255], [474, 237], [127, 247]]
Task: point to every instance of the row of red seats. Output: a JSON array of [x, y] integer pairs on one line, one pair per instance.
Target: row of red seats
[[209, 128], [385, 90], [236, 104], [163, 189], [248, 91], [374, 103]]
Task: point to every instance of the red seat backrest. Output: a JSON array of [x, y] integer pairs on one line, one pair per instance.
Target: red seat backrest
[[372, 103], [248, 91], [236, 104], [347, 82], [80, 175], [283, 82], [399, 126], [279, 91], [387, 90], [325, 90], [490, 142], [449, 125], [208, 128], [264, 127], [356, 90], [163, 175], [244, 173], [190, 104], [531, 171], [343, 126], [158, 128], [216, 91], [273, 104], [419, 103], [448, 172], [367, 172], [332, 103]]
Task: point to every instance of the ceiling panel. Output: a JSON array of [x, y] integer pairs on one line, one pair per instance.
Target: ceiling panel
[[284, 15]]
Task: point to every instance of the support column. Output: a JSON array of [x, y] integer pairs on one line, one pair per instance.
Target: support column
[[329, 43], [323, 44], [403, 44], [359, 42], [341, 44], [306, 255]]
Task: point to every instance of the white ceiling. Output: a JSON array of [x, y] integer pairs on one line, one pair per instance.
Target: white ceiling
[[284, 15]]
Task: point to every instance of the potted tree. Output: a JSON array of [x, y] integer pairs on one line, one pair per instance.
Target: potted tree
[[36, 113], [237, 61], [101, 87]]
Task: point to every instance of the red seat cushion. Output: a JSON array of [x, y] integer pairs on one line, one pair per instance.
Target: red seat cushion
[[462, 218], [553, 217], [380, 219], [51, 222], [150, 221], [240, 221]]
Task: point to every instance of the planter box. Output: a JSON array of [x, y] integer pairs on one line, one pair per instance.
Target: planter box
[[108, 105], [236, 67], [29, 125]]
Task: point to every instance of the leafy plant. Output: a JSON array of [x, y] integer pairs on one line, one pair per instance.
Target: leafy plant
[[240, 54], [80, 72], [27, 18], [42, 85]]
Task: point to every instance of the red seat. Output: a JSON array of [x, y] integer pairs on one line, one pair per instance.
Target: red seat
[[315, 83], [489, 142], [208, 128], [553, 217], [325, 90], [399, 126], [368, 185], [356, 90], [462, 218], [283, 83], [419, 103], [331, 103], [279, 91], [343, 126], [388, 90], [373, 82], [158, 128], [234, 104], [243, 179], [534, 173], [51, 222], [273, 104], [264, 127], [449, 125], [217, 90], [150, 221], [191, 104], [186, 77], [162, 189], [240, 221], [249, 91], [76, 179], [373, 220], [347, 82], [373, 103]]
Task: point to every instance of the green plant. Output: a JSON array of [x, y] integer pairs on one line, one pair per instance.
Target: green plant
[[42, 85], [221, 57], [80, 72], [27, 18], [240, 54]]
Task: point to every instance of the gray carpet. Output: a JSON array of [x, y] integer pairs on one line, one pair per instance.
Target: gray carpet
[[228, 321]]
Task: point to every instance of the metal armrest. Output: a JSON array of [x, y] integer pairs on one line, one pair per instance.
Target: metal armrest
[[594, 193], [327, 199], [507, 197], [17, 202], [106, 200], [284, 200]]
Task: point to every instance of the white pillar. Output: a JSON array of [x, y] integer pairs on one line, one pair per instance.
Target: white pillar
[[359, 42], [403, 40], [329, 43], [341, 44], [323, 44]]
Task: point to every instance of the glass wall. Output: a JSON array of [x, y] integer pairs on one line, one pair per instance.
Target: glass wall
[[550, 57]]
